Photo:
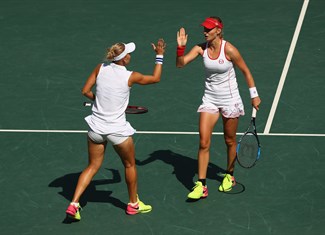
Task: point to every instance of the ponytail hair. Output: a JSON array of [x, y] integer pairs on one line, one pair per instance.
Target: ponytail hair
[[114, 51]]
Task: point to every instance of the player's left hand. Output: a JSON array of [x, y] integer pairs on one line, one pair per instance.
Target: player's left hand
[[159, 48], [256, 102]]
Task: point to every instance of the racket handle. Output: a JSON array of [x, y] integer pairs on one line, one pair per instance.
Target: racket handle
[[87, 104], [254, 113]]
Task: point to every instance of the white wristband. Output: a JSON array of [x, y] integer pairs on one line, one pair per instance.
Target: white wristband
[[253, 92], [159, 59]]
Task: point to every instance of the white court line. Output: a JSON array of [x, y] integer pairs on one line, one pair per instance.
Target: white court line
[[40, 131], [157, 132], [286, 67]]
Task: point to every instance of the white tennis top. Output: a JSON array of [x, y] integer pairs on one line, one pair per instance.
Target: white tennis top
[[220, 77], [112, 99], [221, 88]]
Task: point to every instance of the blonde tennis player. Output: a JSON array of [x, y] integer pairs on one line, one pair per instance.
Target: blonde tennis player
[[107, 123]]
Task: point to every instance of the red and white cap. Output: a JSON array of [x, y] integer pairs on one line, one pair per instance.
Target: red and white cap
[[211, 23]]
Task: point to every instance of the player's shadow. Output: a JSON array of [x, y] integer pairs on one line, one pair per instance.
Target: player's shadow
[[185, 167], [68, 184]]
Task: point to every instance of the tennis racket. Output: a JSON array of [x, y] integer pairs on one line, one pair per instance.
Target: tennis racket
[[249, 148], [131, 109]]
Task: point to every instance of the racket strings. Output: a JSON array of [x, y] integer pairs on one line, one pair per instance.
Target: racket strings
[[248, 150]]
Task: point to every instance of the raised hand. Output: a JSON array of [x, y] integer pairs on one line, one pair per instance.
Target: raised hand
[[181, 37], [160, 47]]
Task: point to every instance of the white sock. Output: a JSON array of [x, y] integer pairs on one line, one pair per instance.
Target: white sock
[[133, 204], [75, 203]]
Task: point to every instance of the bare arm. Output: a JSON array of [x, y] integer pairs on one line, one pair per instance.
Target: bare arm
[[91, 81], [233, 54], [138, 78]]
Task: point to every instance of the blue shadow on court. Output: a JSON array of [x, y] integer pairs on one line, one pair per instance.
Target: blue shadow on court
[[68, 184], [185, 168]]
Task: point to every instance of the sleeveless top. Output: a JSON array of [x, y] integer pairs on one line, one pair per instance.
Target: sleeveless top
[[220, 80], [221, 88], [111, 100]]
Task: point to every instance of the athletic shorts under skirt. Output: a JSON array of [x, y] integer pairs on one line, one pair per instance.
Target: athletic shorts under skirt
[[115, 139], [231, 107]]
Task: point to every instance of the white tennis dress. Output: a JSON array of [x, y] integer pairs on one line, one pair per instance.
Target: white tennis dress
[[221, 89], [112, 99]]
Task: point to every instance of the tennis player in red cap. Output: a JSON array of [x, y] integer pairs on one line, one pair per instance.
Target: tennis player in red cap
[[221, 97]]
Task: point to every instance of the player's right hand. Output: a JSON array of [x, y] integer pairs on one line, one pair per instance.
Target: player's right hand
[[181, 37]]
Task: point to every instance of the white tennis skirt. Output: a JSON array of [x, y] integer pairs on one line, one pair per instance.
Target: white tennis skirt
[[225, 100]]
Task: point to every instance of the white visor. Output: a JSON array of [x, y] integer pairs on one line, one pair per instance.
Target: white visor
[[129, 47]]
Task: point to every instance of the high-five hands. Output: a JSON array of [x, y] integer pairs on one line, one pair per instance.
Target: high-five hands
[[181, 37], [160, 47]]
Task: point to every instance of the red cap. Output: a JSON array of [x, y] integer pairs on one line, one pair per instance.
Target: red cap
[[211, 23]]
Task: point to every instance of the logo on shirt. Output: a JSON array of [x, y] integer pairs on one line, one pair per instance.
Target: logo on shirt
[[221, 61]]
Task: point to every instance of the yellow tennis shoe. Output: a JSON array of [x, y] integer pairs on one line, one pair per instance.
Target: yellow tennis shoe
[[227, 183], [198, 191], [137, 208], [73, 211]]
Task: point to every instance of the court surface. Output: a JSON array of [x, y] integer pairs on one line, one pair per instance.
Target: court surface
[[50, 47]]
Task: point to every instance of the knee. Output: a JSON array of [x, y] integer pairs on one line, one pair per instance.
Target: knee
[[230, 141], [92, 168], [205, 144], [129, 164]]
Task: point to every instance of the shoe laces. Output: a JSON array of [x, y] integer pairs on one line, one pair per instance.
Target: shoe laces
[[226, 175], [197, 184]]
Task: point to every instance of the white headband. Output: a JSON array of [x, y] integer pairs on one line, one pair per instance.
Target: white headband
[[129, 47]]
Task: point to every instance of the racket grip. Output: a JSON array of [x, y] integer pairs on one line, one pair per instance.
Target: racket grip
[[254, 113], [87, 104]]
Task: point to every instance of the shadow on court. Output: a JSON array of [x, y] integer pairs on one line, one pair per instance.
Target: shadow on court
[[68, 184], [185, 168]]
